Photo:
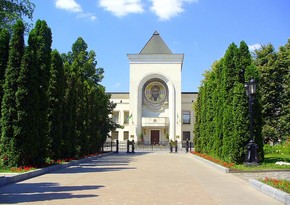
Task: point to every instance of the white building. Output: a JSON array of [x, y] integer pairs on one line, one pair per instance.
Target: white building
[[155, 107]]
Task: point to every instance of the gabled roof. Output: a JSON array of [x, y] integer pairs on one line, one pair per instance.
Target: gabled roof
[[155, 45]]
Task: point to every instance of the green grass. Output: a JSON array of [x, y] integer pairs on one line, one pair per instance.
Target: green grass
[[268, 164], [5, 170]]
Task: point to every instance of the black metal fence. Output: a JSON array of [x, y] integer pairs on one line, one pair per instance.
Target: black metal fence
[[132, 146]]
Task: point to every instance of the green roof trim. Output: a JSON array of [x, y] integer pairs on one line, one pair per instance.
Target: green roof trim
[[155, 45]]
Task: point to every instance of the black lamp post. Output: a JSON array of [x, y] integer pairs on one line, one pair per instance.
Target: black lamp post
[[252, 147]]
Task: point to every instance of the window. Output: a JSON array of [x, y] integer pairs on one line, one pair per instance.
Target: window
[[126, 135], [114, 135], [186, 136], [115, 117], [186, 117], [126, 117]]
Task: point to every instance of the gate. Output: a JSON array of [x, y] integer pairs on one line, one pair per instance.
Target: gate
[[146, 146]]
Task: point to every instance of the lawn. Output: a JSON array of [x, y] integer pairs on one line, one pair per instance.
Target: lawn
[[268, 164]]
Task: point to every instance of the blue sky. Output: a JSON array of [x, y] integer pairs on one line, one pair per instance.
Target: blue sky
[[201, 29]]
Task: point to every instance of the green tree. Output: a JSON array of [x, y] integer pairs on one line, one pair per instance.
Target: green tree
[[87, 105], [56, 91], [283, 66], [4, 54], [229, 78], [11, 11], [269, 87], [104, 124], [8, 145], [31, 97], [221, 128]]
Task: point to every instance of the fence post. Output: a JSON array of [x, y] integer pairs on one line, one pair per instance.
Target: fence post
[[133, 146], [190, 144], [117, 146], [187, 145], [127, 146], [176, 146]]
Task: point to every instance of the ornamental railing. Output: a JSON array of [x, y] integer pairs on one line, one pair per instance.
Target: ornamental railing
[[146, 146]]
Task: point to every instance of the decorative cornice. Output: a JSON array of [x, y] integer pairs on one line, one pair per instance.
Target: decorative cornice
[[155, 58]]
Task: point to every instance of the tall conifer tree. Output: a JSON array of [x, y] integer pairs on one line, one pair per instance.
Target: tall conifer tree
[[4, 54], [9, 148], [229, 78], [31, 97], [56, 91], [283, 67], [265, 61], [222, 120]]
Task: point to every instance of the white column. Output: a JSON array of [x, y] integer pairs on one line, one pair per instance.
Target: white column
[[172, 113]]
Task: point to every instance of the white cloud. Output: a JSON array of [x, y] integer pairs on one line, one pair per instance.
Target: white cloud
[[90, 16], [73, 6], [121, 8], [69, 5], [254, 47], [166, 9], [117, 85]]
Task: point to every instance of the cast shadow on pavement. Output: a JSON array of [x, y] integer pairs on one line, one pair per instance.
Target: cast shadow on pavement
[[27, 192], [116, 162]]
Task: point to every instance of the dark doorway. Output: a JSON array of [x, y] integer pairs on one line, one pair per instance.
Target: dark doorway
[[154, 137]]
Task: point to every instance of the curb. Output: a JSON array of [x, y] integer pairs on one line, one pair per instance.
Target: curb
[[34, 173], [271, 191], [212, 164]]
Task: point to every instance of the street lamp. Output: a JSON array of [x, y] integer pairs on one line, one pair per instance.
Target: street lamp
[[252, 147]]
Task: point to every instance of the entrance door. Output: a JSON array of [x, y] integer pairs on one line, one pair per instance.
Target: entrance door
[[154, 137]]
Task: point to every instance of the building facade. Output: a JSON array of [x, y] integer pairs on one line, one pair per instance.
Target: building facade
[[155, 109]]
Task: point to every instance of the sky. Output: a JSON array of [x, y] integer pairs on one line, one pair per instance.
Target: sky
[[200, 29]]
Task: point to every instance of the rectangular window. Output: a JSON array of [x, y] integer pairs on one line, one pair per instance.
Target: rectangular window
[[126, 135], [186, 136], [186, 117], [126, 117], [115, 117], [114, 135]]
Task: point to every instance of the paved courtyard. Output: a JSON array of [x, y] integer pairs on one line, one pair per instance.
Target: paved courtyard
[[141, 178]]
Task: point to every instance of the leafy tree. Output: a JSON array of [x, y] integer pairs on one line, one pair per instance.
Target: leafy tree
[[8, 145], [13, 10]]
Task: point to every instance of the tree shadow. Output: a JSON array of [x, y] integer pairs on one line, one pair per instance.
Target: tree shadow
[[273, 159], [116, 162], [34, 192], [27, 192]]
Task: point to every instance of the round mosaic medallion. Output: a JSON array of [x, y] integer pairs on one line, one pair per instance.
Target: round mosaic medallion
[[155, 92]]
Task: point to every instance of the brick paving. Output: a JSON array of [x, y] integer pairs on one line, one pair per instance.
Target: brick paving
[[142, 178]]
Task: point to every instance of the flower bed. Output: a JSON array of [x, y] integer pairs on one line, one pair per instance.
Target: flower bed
[[220, 162], [22, 169], [283, 185], [48, 163]]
